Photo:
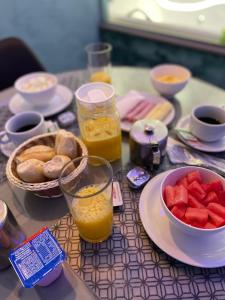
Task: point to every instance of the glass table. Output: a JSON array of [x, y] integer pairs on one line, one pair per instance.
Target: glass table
[[128, 265]]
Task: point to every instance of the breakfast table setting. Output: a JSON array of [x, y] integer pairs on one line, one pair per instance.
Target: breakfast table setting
[[152, 252]]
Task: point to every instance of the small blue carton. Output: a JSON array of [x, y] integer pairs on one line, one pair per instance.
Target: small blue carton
[[36, 257]]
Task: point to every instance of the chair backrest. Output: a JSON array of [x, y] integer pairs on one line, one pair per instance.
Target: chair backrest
[[16, 59]]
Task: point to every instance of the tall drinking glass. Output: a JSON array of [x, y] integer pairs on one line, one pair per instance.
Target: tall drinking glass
[[87, 185], [99, 62]]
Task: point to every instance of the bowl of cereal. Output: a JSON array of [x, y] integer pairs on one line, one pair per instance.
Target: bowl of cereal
[[37, 88]]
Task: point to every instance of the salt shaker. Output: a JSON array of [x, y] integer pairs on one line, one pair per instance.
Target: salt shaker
[[10, 234]]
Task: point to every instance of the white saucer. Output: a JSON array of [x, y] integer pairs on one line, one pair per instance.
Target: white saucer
[[8, 148], [59, 102], [194, 251], [217, 146], [126, 126]]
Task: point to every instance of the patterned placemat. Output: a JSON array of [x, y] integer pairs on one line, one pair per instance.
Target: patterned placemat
[[130, 266]]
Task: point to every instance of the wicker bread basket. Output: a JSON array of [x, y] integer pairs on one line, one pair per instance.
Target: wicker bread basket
[[48, 189]]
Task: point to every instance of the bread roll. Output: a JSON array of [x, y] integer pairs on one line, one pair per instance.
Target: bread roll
[[40, 152], [53, 167], [65, 144], [31, 171]]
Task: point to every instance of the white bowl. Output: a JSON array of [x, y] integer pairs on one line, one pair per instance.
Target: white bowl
[[171, 179], [41, 97], [169, 89]]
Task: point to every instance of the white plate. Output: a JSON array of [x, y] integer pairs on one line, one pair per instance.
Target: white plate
[[194, 251], [8, 148], [59, 102], [126, 126], [214, 147]]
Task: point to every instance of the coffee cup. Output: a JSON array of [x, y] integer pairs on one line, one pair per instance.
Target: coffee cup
[[21, 127], [208, 123]]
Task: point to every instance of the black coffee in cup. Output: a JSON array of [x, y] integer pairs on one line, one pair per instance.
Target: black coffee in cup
[[209, 120], [22, 127], [26, 127]]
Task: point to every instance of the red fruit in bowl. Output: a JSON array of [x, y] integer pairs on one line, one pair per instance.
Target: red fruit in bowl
[[192, 202], [183, 181], [196, 215], [215, 186], [211, 197], [206, 187], [221, 196], [169, 195], [209, 225], [179, 211], [196, 190], [197, 203], [215, 219], [217, 209], [181, 195], [194, 176]]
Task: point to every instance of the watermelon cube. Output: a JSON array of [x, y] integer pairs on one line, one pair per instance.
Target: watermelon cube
[[206, 187], [178, 211], [183, 181], [209, 225], [215, 219], [217, 209], [215, 186], [169, 195], [192, 202], [221, 196], [196, 215], [211, 197], [181, 195], [194, 176], [196, 190]]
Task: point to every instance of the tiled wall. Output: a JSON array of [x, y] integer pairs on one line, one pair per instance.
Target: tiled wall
[[136, 51], [57, 30]]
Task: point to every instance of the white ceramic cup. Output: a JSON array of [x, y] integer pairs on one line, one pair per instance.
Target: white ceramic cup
[[12, 131], [205, 131]]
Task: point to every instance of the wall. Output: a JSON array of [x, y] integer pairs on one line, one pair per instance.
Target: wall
[[57, 30]]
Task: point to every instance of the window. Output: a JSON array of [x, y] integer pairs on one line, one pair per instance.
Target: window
[[200, 20]]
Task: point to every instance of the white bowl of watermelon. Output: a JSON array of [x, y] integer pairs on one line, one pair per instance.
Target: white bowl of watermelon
[[193, 198]]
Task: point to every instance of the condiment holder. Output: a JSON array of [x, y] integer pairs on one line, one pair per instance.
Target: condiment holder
[[148, 139]]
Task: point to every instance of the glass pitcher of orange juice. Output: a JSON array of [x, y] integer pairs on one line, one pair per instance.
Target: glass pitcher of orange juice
[[99, 121]]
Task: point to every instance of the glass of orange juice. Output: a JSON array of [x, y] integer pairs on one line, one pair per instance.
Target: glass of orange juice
[[99, 62], [87, 186]]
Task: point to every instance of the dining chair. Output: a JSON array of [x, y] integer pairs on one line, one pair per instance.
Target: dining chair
[[16, 59]]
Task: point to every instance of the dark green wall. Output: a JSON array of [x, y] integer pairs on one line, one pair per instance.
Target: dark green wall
[[136, 51]]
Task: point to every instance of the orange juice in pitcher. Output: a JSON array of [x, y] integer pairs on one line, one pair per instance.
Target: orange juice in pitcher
[[99, 120]]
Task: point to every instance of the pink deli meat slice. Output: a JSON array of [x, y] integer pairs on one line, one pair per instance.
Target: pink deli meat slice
[[127, 103], [144, 112], [136, 110]]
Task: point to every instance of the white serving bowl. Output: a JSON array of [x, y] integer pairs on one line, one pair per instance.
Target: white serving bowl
[[41, 97], [171, 179], [169, 89]]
